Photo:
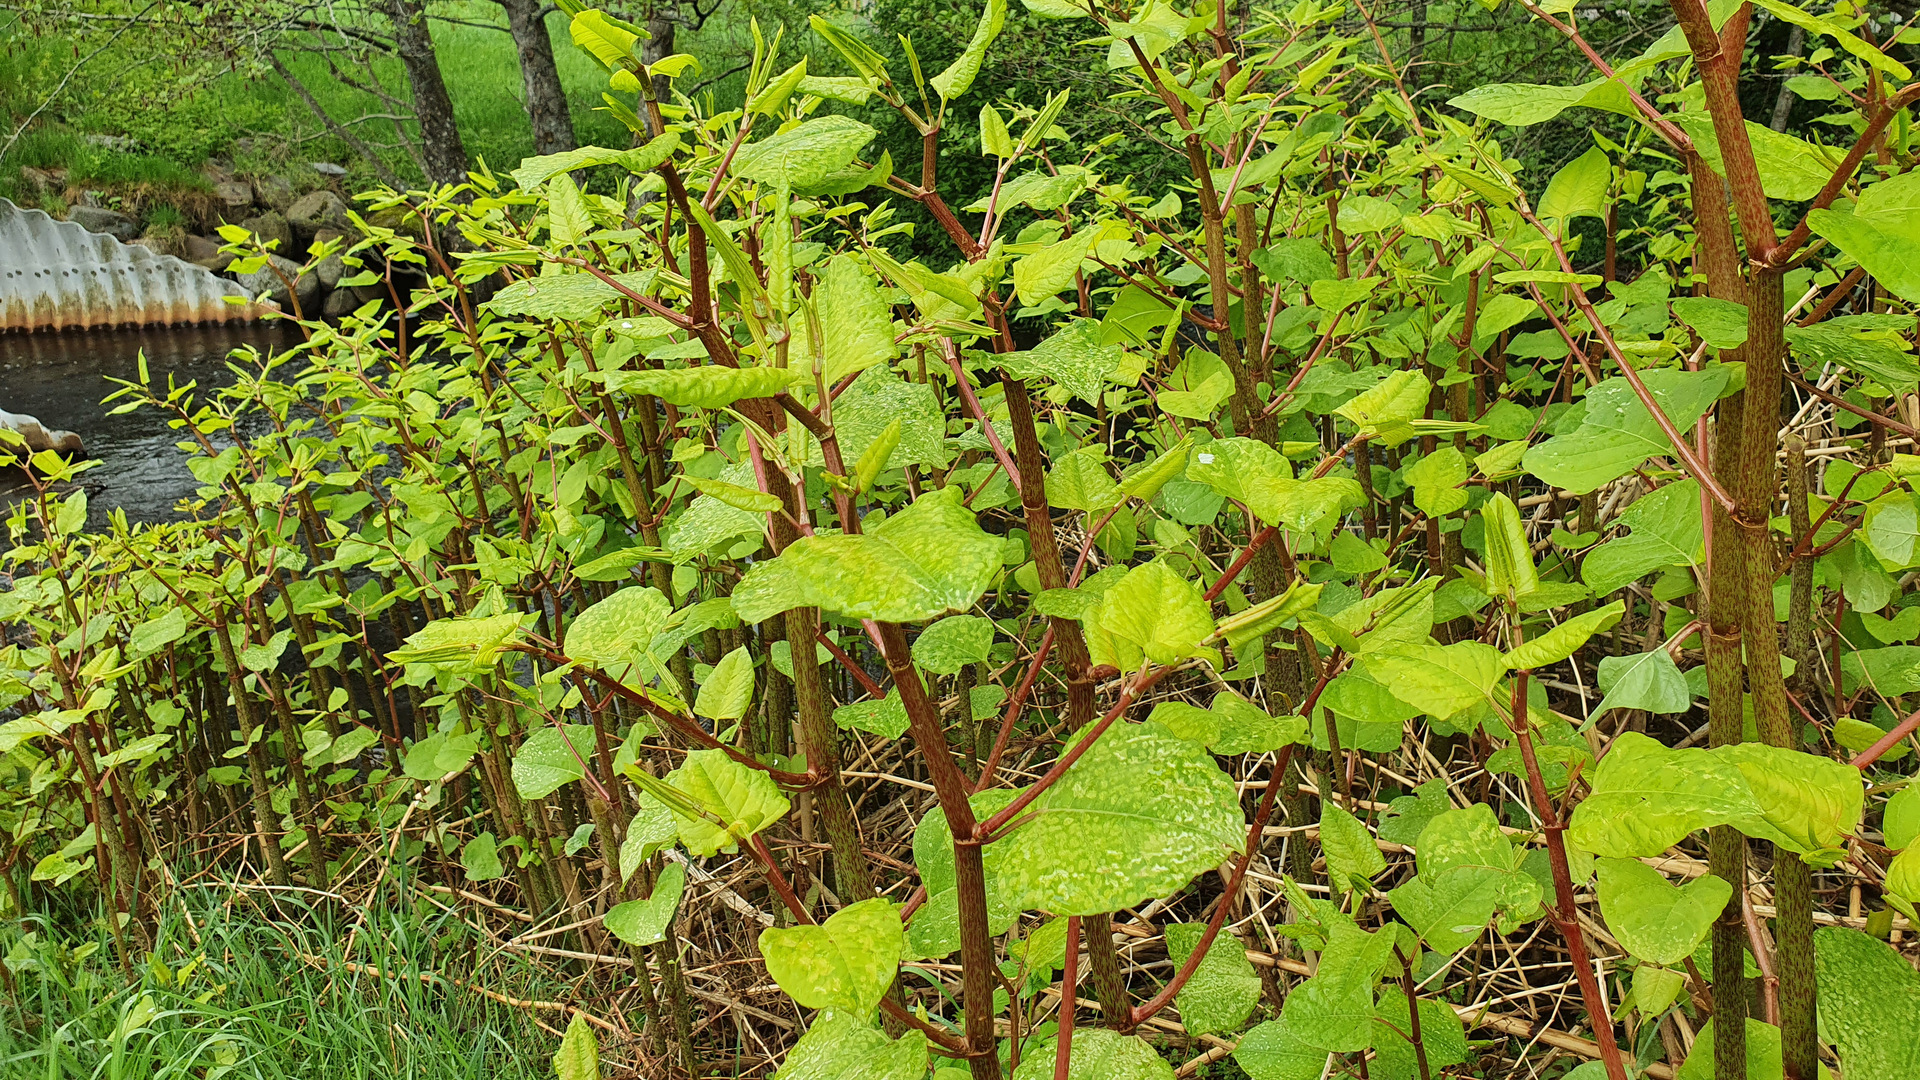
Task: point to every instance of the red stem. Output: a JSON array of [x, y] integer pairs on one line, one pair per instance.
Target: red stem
[[1070, 978], [1240, 563], [983, 833], [865, 680], [1013, 711], [1887, 742], [1275, 781], [980, 414]]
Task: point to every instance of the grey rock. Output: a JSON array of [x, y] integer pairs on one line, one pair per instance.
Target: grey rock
[[328, 168], [44, 181], [306, 287], [340, 304], [276, 192], [205, 251], [234, 194], [271, 226], [123, 143], [112, 222], [317, 210], [200, 247], [330, 270], [162, 243], [39, 436]]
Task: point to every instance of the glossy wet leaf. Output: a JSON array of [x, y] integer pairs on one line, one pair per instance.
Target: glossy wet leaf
[[710, 386], [728, 692], [1650, 681], [1881, 232], [1352, 857], [1565, 639], [1246, 728], [1073, 357], [1657, 921], [480, 858], [1275, 1051], [1469, 872], [1439, 680], [1511, 574], [439, 754], [1524, 104], [924, 561], [1666, 531], [1436, 480], [460, 644], [1334, 1009], [1224, 988], [1386, 411], [842, 1046], [935, 929], [856, 326], [1045, 272], [1618, 434], [545, 762], [1720, 323], [652, 828], [1900, 823], [886, 717], [846, 962], [568, 296], [643, 922], [1646, 797], [958, 77], [1152, 614], [534, 171], [1764, 1059], [953, 643], [1869, 1003], [612, 634], [1137, 816], [804, 155], [1442, 1036], [1097, 1054], [1790, 168], [1809, 804]]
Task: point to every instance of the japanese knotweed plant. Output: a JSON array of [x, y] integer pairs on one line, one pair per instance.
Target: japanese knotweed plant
[[1129, 523]]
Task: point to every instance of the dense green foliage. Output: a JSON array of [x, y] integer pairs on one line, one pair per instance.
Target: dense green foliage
[[1325, 546]]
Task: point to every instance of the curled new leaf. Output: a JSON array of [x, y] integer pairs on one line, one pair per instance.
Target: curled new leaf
[[717, 802], [711, 386]]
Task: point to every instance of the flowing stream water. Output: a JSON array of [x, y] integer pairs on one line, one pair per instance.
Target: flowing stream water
[[63, 377]]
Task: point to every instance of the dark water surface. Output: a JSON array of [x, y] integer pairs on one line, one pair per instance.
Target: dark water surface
[[62, 379]]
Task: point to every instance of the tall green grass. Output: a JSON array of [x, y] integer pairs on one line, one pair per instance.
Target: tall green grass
[[237, 994]]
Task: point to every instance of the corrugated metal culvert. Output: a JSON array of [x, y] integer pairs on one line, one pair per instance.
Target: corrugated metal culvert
[[55, 275]]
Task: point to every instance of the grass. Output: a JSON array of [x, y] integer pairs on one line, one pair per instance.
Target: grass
[[229, 991], [182, 112]]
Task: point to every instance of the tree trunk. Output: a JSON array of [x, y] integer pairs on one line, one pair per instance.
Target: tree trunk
[[546, 98], [1783, 100], [442, 153], [662, 25]]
